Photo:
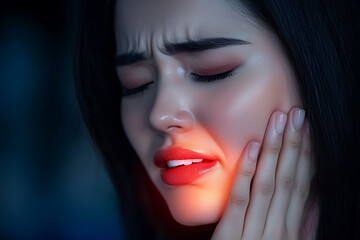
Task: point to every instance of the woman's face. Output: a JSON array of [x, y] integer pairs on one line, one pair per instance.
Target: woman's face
[[199, 75]]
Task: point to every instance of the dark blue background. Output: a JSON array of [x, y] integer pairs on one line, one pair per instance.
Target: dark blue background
[[53, 184]]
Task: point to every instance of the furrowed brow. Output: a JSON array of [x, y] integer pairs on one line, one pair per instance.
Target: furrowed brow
[[201, 45], [177, 48]]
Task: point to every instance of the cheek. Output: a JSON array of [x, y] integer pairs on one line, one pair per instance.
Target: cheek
[[240, 110], [130, 121], [134, 123]]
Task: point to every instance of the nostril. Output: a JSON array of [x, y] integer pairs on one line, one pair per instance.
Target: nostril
[[186, 119], [181, 120]]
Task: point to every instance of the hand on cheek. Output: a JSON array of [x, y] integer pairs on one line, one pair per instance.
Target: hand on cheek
[[269, 191]]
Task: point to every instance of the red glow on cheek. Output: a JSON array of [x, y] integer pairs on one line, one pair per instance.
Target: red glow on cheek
[[202, 201], [200, 204]]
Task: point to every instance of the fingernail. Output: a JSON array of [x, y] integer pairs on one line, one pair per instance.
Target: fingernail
[[253, 151], [306, 127], [280, 122], [298, 118]]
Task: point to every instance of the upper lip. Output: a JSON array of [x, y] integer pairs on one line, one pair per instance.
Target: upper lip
[[162, 156]]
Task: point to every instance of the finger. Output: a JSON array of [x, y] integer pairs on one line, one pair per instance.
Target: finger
[[285, 175], [302, 184], [231, 224], [263, 186]]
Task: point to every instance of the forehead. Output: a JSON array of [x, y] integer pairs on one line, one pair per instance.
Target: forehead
[[138, 22]]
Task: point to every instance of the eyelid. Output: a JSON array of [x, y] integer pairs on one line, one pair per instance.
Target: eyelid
[[135, 79], [214, 70], [137, 71], [134, 91], [213, 77]]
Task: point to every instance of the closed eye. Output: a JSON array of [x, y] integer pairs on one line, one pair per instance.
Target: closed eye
[[211, 78], [135, 91], [196, 77]]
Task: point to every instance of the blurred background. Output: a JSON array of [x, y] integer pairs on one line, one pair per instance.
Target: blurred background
[[53, 185]]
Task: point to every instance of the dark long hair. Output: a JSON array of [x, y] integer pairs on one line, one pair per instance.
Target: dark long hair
[[319, 37]]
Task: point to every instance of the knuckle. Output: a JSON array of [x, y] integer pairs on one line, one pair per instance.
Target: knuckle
[[266, 189], [301, 191], [274, 150], [306, 149], [286, 184], [239, 200], [294, 143], [248, 171]]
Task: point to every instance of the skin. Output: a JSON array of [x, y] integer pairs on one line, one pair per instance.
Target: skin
[[223, 118]]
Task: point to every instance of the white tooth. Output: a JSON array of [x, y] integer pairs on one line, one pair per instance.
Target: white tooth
[[175, 163], [187, 162], [197, 160], [171, 163]]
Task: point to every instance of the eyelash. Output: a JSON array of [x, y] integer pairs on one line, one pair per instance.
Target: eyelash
[[196, 77], [211, 78], [135, 91]]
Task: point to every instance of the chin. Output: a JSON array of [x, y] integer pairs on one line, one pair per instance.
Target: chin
[[196, 218], [196, 210]]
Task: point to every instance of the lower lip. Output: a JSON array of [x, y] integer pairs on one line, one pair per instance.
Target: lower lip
[[186, 174]]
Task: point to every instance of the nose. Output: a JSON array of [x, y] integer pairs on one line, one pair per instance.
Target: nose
[[170, 114]]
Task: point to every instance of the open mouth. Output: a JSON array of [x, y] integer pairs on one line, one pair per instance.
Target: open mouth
[[181, 166], [180, 172], [184, 162]]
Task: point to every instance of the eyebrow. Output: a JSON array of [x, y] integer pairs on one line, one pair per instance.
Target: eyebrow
[[177, 48]]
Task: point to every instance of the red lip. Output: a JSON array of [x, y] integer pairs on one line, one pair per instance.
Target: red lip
[[182, 174]]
